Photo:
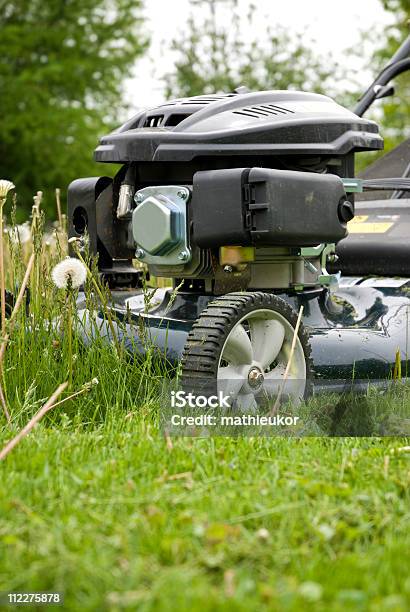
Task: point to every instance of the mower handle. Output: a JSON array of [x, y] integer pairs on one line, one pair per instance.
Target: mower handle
[[400, 62]]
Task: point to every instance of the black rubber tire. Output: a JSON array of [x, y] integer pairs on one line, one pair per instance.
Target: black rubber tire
[[202, 351]]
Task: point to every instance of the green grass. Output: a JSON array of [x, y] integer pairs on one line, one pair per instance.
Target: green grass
[[96, 503], [115, 518]]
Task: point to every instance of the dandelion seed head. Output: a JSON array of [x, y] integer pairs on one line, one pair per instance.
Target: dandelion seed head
[[263, 534], [20, 233], [69, 271], [5, 187], [92, 383]]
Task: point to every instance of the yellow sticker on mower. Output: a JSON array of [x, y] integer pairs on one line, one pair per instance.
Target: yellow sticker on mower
[[359, 219], [360, 225]]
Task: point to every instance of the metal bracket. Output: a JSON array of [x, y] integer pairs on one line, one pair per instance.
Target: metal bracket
[[352, 185]]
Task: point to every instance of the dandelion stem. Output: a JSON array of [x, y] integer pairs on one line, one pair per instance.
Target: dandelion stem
[[3, 305], [58, 203], [2, 278], [70, 339], [36, 418], [23, 288], [16, 308], [85, 388], [4, 405]]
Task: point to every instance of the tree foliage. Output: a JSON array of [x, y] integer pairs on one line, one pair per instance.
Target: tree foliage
[[214, 55], [391, 113], [396, 110], [62, 65]]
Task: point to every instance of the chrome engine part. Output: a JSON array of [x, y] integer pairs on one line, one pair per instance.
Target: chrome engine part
[[159, 225]]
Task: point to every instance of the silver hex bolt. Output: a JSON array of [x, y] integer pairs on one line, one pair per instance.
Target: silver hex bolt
[[255, 377], [140, 254], [183, 255], [228, 269], [139, 197], [333, 258], [182, 194]]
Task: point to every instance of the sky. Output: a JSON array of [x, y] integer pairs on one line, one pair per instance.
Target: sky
[[334, 25]]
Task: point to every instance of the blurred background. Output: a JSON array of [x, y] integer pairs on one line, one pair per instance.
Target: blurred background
[[72, 70]]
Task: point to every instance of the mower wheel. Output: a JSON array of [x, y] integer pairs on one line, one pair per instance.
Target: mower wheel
[[240, 346]]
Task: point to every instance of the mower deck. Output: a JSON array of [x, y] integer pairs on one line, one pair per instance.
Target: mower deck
[[356, 334]]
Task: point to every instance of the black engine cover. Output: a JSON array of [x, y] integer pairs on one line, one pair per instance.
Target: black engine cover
[[264, 123], [264, 207]]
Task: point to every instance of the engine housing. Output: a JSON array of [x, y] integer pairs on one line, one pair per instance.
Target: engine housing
[[245, 184]]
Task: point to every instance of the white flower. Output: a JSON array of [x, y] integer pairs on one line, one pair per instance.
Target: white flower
[[5, 187], [70, 269], [20, 233]]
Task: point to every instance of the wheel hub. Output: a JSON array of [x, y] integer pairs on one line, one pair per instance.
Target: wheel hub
[[255, 378]]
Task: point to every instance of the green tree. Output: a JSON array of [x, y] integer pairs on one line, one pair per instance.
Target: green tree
[[396, 109], [215, 55], [62, 65], [391, 113]]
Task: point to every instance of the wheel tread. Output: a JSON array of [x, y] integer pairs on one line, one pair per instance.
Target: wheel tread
[[200, 359]]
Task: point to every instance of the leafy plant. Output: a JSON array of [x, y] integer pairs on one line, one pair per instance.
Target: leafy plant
[[62, 67]]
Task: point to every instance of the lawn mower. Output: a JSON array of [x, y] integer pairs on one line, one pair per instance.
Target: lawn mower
[[245, 202]]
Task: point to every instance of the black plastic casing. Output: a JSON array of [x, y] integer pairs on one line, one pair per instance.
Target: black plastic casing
[[262, 123], [265, 207]]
